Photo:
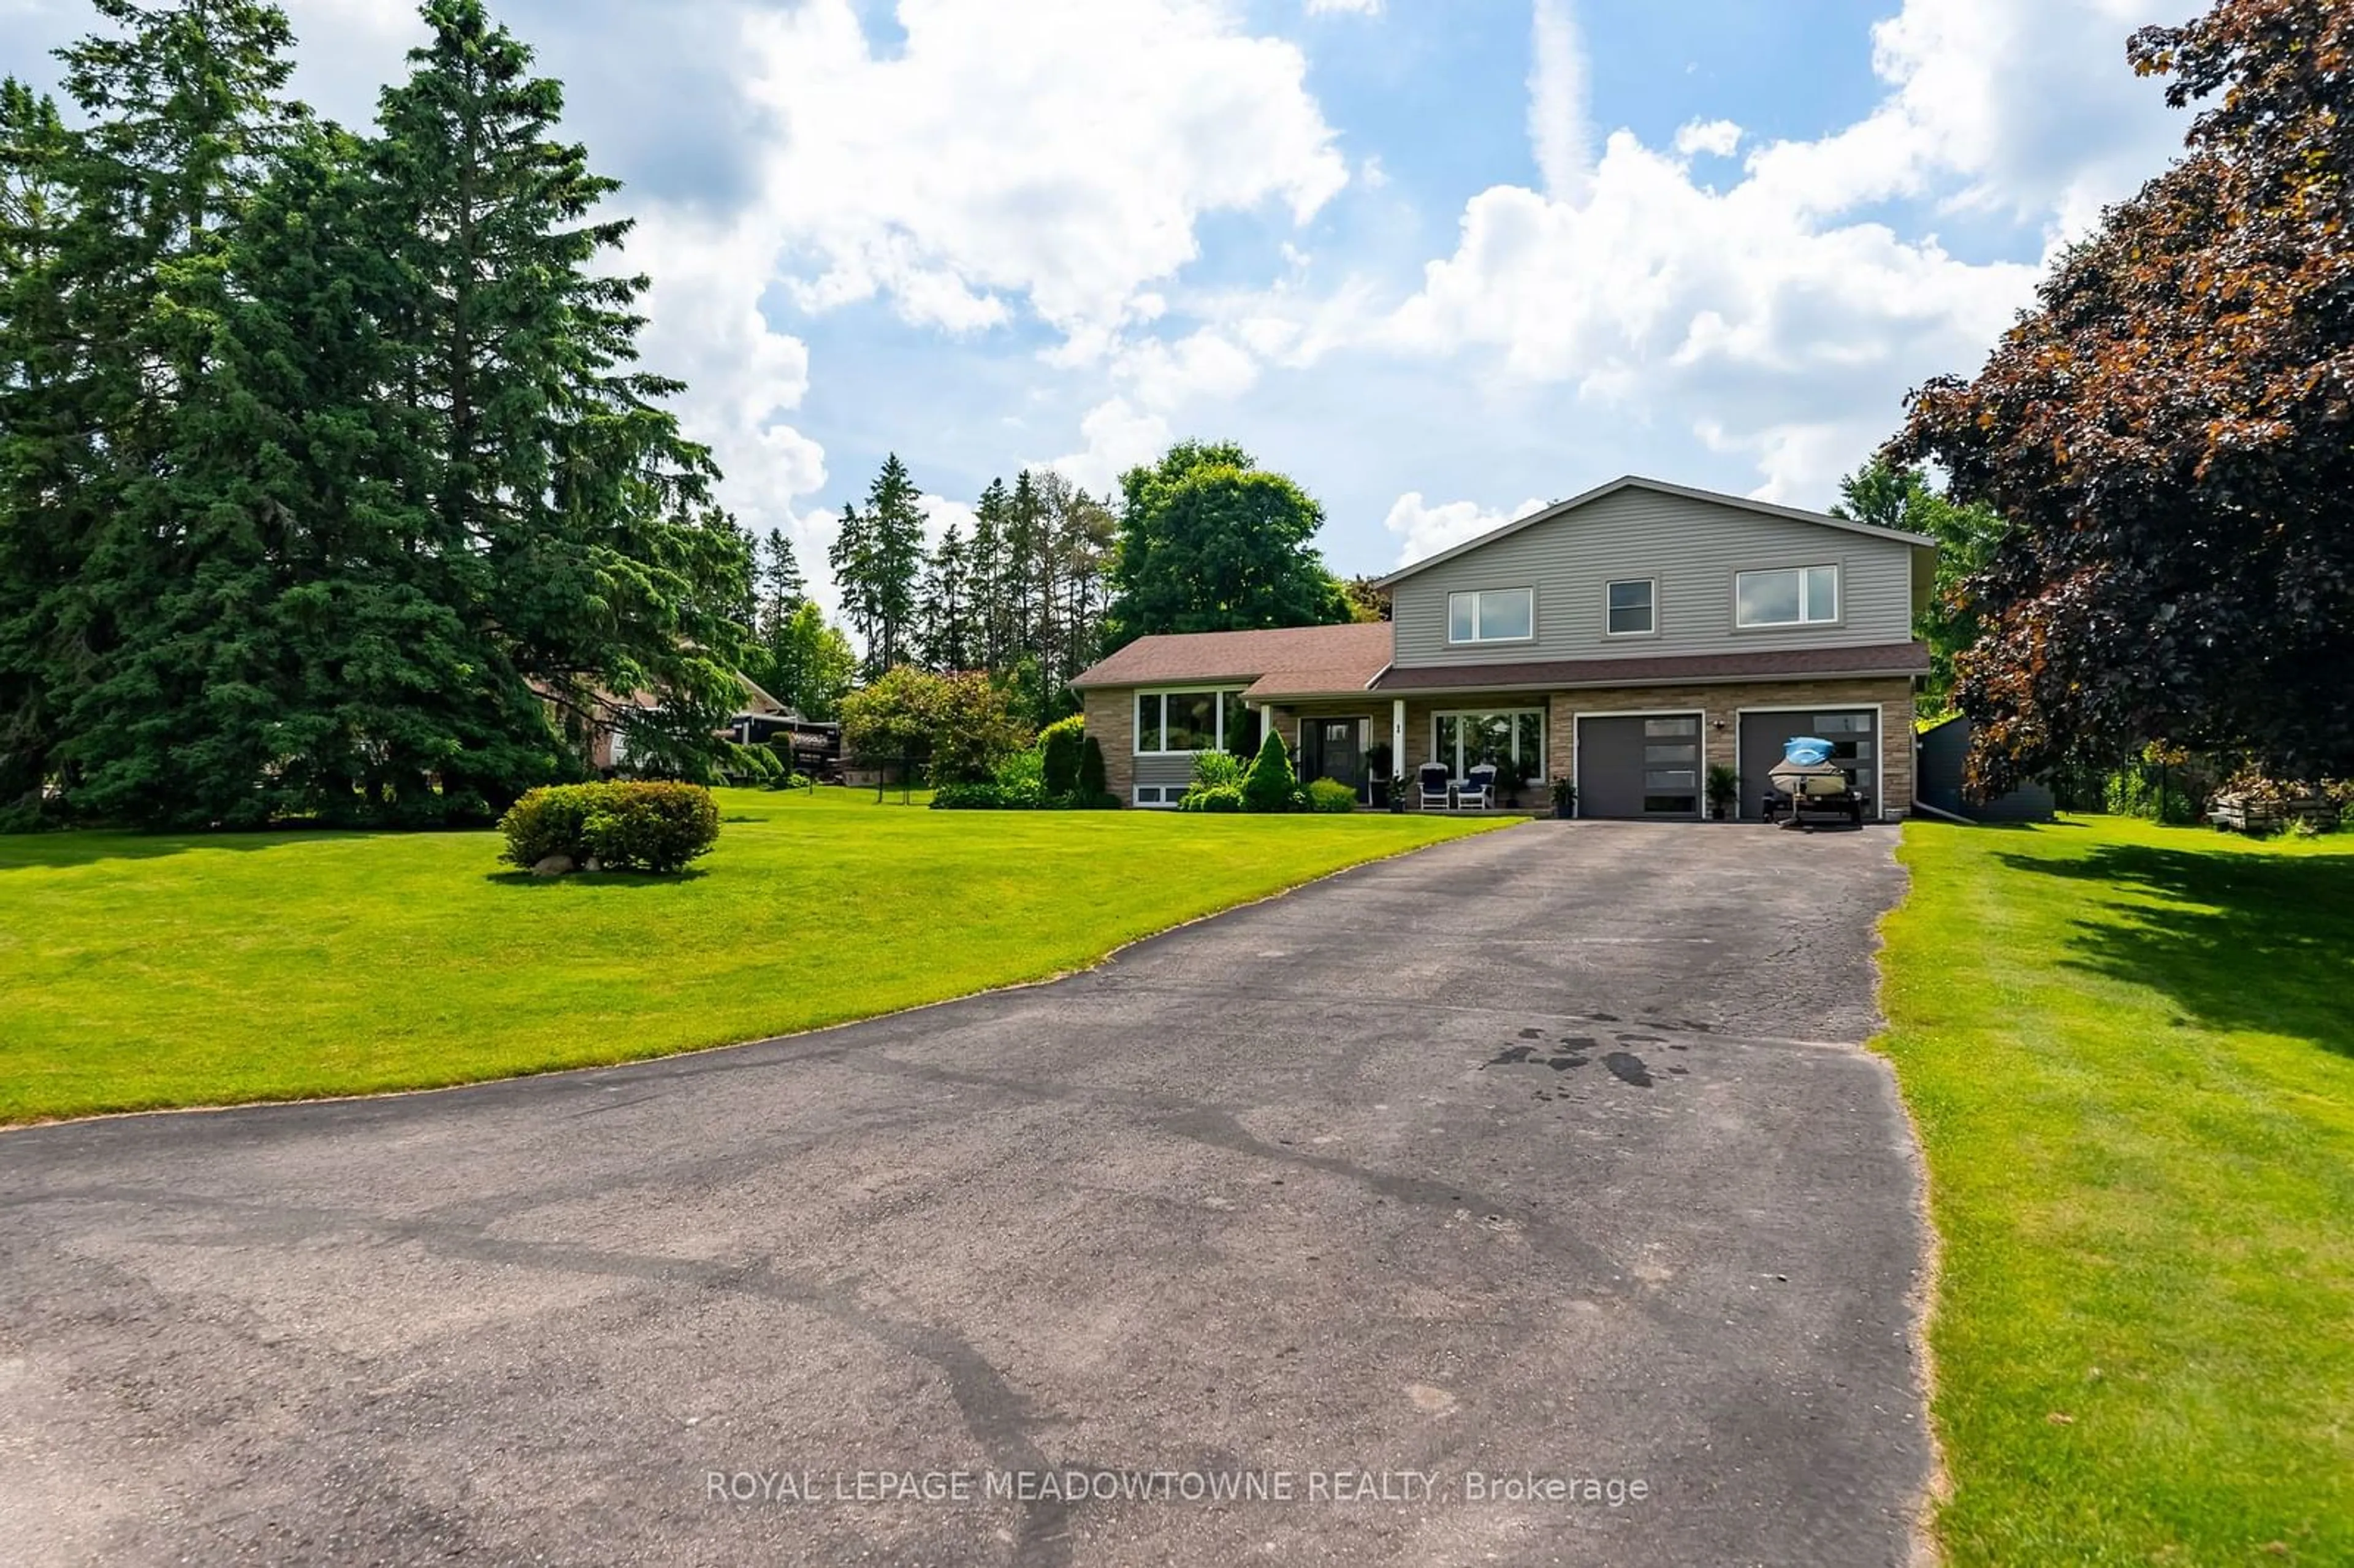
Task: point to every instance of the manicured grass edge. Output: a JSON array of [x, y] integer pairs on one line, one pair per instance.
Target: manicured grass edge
[[1925, 1549], [1030, 982]]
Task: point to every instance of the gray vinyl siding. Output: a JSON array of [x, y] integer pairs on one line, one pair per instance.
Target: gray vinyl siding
[[1691, 549], [1166, 769]]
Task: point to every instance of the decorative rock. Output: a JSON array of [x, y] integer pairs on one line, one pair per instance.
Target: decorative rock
[[592, 863], [554, 865]]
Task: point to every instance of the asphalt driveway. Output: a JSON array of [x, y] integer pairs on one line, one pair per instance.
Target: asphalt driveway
[[1527, 1200]]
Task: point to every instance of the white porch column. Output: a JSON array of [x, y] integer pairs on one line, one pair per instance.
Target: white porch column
[[1397, 736]]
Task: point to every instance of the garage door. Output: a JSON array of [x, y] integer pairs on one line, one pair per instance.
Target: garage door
[[1854, 734], [1639, 767]]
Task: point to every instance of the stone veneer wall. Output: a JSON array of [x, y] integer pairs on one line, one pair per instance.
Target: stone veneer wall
[[1112, 719]]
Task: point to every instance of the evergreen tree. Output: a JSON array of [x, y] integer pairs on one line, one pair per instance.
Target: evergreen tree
[[947, 610], [46, 455], [984, 572], [851, 557], [1017, 581], [780, 586], [184, 101], [566, 511], [897, 520]]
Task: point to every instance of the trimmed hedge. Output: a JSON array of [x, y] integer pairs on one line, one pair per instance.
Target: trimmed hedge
[[1212, 798], [625, 826], [1332, 796]]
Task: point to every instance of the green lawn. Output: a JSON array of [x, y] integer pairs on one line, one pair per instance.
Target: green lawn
[[2130, 1053], [141, 972]]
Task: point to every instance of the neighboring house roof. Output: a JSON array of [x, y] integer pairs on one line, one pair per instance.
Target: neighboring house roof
[[1297, 661], [1635, 482], [1894, 659]]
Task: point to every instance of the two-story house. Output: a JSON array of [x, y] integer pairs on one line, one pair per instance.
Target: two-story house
[[1628, 638]]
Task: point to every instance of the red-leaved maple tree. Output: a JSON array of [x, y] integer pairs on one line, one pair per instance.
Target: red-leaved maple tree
[[2170, 434]]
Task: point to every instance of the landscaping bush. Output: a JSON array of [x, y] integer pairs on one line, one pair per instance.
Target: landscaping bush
[[1094, 792], [1217, 798], [1332, 796], [1271, 783], [650, 827], [1020, 785], [1061, 746], [624, 826], [1217, 770], [550, 820]]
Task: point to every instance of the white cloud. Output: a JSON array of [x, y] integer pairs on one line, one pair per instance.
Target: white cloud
[[1717, 138], [1059, 154], [1557, 99], [1424, 530], [1118, 437], [1768, 320]]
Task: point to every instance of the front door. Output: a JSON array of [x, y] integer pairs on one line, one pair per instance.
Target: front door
[[1329, 749]]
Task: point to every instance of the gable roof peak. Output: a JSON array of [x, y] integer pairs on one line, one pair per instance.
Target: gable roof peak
[[1663, 487]]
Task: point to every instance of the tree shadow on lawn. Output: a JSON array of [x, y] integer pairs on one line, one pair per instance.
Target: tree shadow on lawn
[[66, 849], [2238, 941], [598, 878]]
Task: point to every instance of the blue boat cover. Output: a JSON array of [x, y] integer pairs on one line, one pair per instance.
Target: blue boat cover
[[1807, 751]]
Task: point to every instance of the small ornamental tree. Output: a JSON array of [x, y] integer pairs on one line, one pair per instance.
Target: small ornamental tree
[[964, 724], [1063, 742], [1093, 790], [1269, 785]]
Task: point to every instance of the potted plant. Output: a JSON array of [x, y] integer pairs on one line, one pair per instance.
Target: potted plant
[[1398, 788], [1377, 772], [1564, 799], [1724, 790], [1512, 777]]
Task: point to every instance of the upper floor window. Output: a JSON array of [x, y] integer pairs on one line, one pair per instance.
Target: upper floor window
[[1194, 721], [1793, 595], [1491, 615], [1632, 607]]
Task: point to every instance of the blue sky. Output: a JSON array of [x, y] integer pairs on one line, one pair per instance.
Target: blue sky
[[1436, 259]]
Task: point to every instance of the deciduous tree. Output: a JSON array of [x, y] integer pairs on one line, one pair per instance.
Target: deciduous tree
[[1210, 541], [2170, 433]]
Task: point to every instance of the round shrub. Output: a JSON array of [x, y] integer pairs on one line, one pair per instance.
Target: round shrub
[[1219, 797], [625, 826], [1331, 795]]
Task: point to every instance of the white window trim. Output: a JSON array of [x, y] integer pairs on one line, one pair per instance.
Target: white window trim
[[1474, 640], [1537, 775], [1839, 594], [1653, 584], [1135, 726]]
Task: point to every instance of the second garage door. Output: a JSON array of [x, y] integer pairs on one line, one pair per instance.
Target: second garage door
[[1855, 746], [1647, 766]]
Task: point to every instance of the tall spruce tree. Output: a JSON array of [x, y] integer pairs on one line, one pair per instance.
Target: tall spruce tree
[[984, 571], [46, 454], [947, 608], [171, 698], [892, 505], [851, 557], [565, 509]]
